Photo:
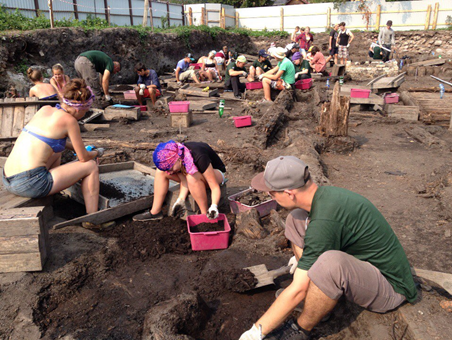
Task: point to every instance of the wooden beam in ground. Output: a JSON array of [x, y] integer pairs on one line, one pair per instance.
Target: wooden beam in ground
[[334, 115], [409, 113]]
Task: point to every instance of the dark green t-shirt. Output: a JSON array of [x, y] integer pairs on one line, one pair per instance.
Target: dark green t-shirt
[[265, 65], [346, 221], [304, 65], [377, 53], [233, 66], [100, 60]]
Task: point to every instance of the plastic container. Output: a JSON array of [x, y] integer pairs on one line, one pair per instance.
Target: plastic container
[[360, 93], [214, 240], [303, 84], [182, 106], [254, 85], [242, 121], [197, 66], [392, 98], [142, 107], [130, 94], [263, 208]]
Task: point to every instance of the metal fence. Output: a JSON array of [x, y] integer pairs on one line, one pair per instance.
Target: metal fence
[[117, 12]]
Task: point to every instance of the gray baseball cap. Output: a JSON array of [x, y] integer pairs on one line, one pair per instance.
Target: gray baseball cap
[[284, 172]]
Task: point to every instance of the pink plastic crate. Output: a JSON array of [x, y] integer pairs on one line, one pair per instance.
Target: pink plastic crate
[[392, 98], [130, 94], [254, 85], [263, 208], [214, 240], [182, 106], [359, 93], [142, 107], [197, 66], [304, 84], [242, 121]]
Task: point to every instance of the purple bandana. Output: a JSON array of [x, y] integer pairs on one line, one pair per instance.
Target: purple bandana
[[81, 105], [167, 154]]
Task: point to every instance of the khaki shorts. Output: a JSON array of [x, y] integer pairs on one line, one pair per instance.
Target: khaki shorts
[[186, 75], [337, 273]]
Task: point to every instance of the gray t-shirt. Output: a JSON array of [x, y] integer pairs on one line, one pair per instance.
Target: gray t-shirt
[[386, 36]]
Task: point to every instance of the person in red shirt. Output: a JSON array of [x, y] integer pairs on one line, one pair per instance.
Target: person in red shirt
[[318, 62], [305, 40]]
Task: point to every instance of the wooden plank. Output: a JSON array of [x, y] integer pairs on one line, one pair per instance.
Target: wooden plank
[[188, 90], [116, 167], [375, 79], [30, 110], [7, 119], [202, 105], [9, 200], [182, 119], [409, 113], [430, 62], [143, 168], [19, 244], [112, 113], [19, 116], [373, 99], [338, 70], [75, 193], [21, 262]]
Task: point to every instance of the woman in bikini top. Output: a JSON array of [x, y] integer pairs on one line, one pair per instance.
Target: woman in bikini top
[[43, 91], [36, 156], [59, 79]]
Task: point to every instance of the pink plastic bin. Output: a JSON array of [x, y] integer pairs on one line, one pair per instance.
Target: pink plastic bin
[[392, 98], [197, 66], [242, 121], [254, 85], [263, 208], [142, 107], [359, 93], [130, 94], [304, 84], [214, 240], [182, 106]]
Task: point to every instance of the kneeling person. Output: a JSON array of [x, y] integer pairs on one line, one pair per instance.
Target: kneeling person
[[196, 166], [302, 67], [148, 84], [234, 71]]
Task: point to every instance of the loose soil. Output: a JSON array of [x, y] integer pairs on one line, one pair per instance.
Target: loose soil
[[208, 227], [253, 198], [109, 191]]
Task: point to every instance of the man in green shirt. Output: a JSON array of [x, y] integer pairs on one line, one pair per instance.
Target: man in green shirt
[[344, 246], [302, 67], [88, 66], [280, 77], [260, 66]]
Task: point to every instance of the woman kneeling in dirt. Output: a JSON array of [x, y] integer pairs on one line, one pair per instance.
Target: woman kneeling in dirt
[[196, 166], [33, 168]]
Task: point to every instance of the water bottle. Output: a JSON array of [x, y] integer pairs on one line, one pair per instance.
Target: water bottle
[[328, 83], [221, 108], [441, 90], [401, 64], [341, 80]]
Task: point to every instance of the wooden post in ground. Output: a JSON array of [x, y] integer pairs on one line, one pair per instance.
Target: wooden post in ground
[[75, 9], [222, 18], [203, 16], [190, 16], [237, 17], [435, 16], [151, 16], [52, 24], [378, 19], [131, 12], [168, 14], [37, 8], [328, 18], [281, 26], [334, 115], [145, 13], [108, 15], [427, 17]]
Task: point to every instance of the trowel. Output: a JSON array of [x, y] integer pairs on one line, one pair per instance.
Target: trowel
[[441, 278], [265, 277]]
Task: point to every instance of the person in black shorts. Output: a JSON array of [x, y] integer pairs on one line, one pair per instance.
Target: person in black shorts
[[195, 166], [332, 45]]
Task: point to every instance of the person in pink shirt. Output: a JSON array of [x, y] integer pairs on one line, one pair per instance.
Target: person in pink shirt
[[318, 61]]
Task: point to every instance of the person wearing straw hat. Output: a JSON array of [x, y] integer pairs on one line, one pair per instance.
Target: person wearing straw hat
[[280, 77], [343, 246]]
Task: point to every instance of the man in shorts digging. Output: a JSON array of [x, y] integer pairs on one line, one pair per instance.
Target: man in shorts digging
[[183, 70], [148, 84], [343, 246], [343, 41]]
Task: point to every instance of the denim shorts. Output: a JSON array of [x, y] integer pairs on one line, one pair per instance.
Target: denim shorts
[[33, 183]]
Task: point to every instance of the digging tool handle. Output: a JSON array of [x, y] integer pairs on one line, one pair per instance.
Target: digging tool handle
[[284, 270]]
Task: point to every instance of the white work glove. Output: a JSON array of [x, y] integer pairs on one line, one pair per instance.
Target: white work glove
[[245, 74], [100, 151], [178, 209], [297, 74], [348, 45], [254, 333], [213, 213], [293, 263], [261, 77], [142, 87], [107, 97], [179, 83]]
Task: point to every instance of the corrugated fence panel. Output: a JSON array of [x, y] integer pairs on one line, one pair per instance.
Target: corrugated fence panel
[[196, 12], [230, 16], [27, 7], [213, 14], [119, 12], [63, 10], [158, 11]]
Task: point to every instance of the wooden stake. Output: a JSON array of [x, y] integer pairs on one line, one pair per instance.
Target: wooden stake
[[237, 17], [378, 19], [427, 17], [203, 16], [435, 16], [52, 24], [222, 18], [281, 27], [328, 18], [190, 16], [145, 13]]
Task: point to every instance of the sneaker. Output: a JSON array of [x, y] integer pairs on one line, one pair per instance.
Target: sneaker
[[147, 216], [238, 97], [288, 331], [103, 226]]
